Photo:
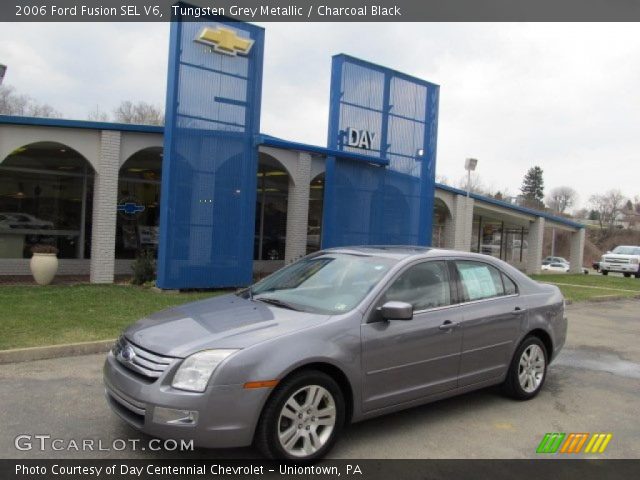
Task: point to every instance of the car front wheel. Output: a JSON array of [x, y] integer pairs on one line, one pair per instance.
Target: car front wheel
[[302, 419], [528, 370], [605, 272]]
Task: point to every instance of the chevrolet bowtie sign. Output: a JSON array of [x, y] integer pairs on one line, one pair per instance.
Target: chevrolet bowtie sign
[[225, 40]]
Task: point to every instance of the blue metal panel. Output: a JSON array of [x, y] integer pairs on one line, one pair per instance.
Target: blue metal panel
[[210, 160], [367, 203]]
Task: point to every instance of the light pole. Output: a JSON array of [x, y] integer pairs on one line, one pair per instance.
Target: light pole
[[470, 165], [3, 69]]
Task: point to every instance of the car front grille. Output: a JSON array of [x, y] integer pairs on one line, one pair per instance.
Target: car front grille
[[619, 261], [143, 362]]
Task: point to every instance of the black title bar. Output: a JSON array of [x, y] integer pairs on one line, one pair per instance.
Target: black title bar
[[322, 10], [579, 469]]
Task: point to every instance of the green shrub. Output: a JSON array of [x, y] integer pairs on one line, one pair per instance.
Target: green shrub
[[44, 248], [144, 268]]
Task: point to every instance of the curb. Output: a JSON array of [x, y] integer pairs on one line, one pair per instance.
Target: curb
[[18, 355], [607, 298], [603, 299]]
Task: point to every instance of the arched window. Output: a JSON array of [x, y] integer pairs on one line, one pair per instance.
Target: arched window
[[46, 192], [271, 209], [138, 203]]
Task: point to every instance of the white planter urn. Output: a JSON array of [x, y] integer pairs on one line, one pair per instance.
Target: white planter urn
[[44, 267]]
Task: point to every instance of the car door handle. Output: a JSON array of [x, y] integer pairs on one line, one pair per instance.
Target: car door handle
[[517, 311], [448, 325]]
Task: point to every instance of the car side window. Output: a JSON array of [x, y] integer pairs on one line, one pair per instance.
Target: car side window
[[479, 280], [510, 287], [424, 286]]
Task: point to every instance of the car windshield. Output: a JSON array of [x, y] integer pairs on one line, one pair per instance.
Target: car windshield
[[627, 250], [329, 283]]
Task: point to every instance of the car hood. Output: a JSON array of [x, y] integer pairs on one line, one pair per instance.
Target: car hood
[[226, 321], [618, 256]]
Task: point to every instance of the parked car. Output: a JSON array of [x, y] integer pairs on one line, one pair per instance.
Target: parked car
[[340, 336], [23, 221], [624, 259], [555, 267], [548, 260]]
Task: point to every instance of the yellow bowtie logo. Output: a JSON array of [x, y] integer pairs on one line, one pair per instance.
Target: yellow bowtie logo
[[225, 40]]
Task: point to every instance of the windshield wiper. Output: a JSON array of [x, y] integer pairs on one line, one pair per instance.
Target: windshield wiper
[[277, 303]]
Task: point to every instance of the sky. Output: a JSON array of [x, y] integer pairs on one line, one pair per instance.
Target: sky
[[563, 96]]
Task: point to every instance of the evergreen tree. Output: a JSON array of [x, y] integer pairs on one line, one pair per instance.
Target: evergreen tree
[[533, 188]]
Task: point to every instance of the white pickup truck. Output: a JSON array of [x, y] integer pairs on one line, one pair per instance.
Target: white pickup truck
[[623, 259]]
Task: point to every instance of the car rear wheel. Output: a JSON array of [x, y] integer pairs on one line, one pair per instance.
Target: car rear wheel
[[528, 370], [302, 419]]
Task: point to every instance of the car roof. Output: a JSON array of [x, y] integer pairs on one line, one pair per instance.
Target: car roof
[[406, 253], [400, 252]]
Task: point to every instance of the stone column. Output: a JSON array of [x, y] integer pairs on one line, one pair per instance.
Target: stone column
[[298, 209], [458, 229], [105, 198], [576, 251], [534, 247]]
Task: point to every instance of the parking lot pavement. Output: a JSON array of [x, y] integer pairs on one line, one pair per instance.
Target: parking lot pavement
[[592, 387]]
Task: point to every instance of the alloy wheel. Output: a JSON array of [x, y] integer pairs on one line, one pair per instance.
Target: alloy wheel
[[531, 368], [306, 421]]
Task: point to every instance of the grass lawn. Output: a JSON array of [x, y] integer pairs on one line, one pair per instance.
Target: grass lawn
[[34, 316], [577, 288]]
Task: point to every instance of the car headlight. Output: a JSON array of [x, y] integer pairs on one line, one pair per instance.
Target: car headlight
[[195, 371], [634, 261]]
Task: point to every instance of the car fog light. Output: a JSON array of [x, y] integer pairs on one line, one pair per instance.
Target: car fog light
[[172, 416]]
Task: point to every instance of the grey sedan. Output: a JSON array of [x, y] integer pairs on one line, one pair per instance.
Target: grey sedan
[[340, 336]]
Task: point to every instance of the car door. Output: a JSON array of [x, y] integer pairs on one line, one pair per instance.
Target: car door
[[491, 312], [404, 360]]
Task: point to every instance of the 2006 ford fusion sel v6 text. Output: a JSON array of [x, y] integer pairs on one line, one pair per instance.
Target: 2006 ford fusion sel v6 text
[[340, 336]]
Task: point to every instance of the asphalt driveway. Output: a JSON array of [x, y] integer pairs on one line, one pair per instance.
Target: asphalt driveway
[[592, 387]]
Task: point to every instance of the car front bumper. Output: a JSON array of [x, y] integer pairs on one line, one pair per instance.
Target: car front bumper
[[225, 415], [619, 267]]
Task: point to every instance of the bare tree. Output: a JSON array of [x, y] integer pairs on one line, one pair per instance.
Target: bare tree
[[141, 113], [582, 213], [12, 103], [561, 199], [442, 179], [608, 206], [97, 115], [473, 184]]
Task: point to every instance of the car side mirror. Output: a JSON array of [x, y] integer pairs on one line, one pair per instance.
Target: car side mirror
[[393, 310]]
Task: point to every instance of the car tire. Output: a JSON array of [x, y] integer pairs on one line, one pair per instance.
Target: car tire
[[637, 275], [605, 272], [294, 426], [528, 370]]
